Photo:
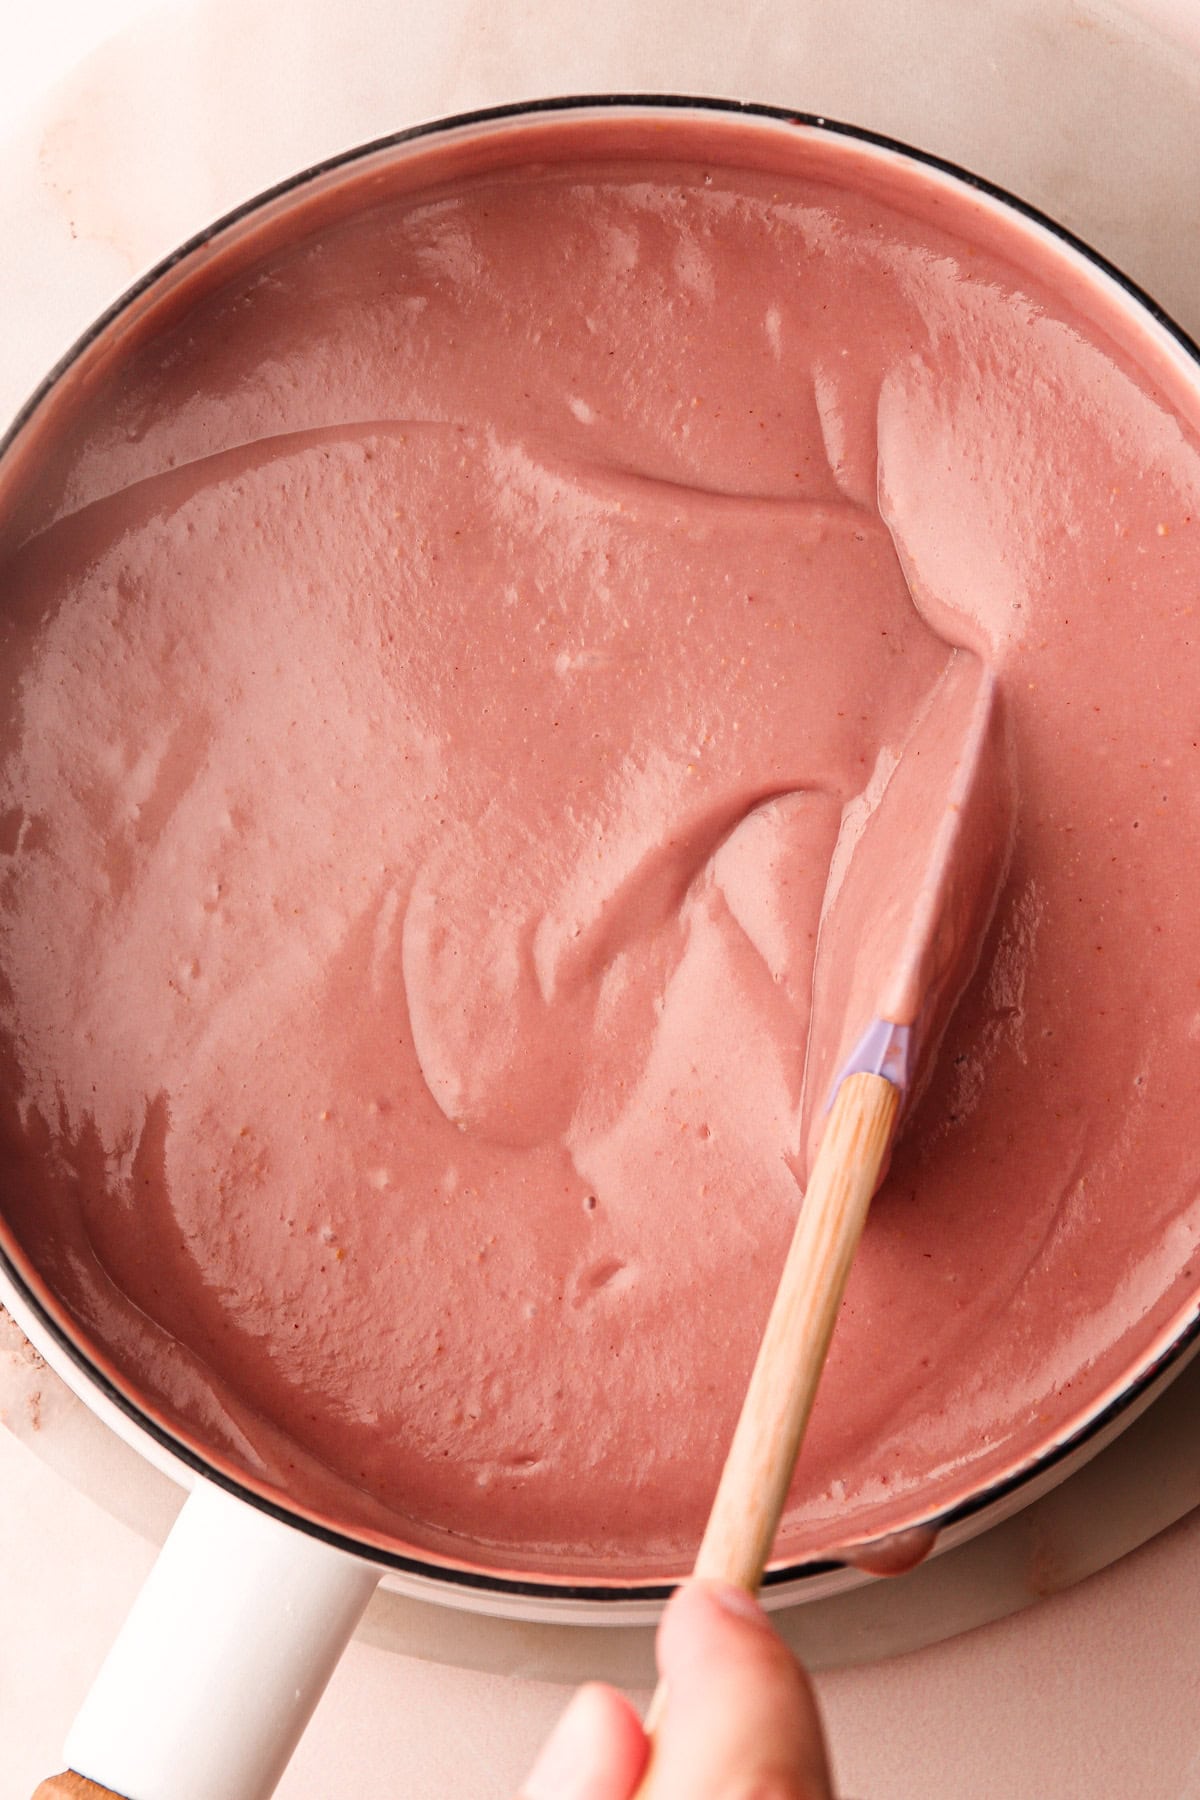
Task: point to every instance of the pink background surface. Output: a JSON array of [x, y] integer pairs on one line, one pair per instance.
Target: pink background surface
[[1092, 1693], [1090, 109]]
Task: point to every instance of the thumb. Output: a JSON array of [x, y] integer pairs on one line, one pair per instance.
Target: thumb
[[741, 1717]]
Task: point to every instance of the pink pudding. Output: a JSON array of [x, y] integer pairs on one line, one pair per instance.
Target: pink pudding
[[448, 642]]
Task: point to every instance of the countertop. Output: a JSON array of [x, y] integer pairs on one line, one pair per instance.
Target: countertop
[[1092, 1692]]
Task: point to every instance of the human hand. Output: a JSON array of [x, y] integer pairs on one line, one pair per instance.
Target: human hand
[[741, 1721]]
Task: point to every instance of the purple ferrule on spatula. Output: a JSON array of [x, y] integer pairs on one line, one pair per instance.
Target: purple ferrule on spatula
[[883, 1049]]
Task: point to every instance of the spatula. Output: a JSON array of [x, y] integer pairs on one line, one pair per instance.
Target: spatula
[[899, 941]]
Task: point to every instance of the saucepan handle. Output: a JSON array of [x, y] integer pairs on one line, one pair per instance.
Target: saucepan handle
[[220, 1663]]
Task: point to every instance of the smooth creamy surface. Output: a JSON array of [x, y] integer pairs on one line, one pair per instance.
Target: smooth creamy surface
[[434, 685]]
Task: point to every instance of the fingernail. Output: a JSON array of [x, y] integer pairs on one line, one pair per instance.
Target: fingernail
[[737, 1601], [563, 1769]]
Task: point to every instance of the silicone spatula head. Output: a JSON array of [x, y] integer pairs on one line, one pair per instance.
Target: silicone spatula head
[[904, 926]]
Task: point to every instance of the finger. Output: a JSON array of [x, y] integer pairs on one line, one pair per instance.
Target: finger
[[597, 1751], [741, 1718]]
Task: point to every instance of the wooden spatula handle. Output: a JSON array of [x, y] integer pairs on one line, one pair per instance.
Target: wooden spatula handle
[[758, 1469], [70, 1786]]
